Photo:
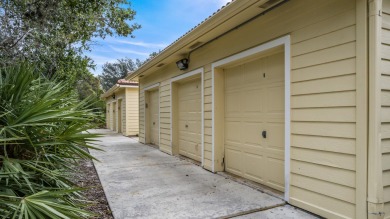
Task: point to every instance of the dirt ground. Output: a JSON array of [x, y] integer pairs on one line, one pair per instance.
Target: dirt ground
[[87, 177]]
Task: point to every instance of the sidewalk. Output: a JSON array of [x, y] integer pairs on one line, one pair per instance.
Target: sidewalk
[[143, 182]]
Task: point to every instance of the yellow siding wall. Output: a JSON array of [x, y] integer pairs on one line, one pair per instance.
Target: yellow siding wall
[[120, 95], [165, 116], [141, 116], [107, 115], [385, 102], [131, 112], [323, 116], [323, 97], [207, 118], [110, 120]]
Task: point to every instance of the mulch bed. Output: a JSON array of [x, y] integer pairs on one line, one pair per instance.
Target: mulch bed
[[87, 177]]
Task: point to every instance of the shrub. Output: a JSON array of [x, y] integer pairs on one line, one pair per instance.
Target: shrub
[[42, 135]]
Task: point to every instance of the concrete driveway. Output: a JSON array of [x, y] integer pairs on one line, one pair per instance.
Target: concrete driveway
[[143, 182]]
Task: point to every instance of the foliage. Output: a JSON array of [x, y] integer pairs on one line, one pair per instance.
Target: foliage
[[88, 87], [42, 135], [112, 72], [53, 33]]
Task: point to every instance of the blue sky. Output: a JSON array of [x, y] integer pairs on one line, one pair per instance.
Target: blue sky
[[162, 23]]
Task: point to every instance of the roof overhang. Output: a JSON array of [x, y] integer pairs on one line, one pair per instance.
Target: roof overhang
[[224, 20], [116, 88]]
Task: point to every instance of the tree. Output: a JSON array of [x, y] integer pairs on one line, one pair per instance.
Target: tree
[[53, 33], [42, 132], [88, 88], [112, 72]]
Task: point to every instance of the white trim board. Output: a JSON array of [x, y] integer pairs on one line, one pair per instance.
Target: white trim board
[[282, 41], [184, 76], [151, 87]]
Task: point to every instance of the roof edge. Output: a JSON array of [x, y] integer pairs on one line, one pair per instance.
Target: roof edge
[[213, 20]]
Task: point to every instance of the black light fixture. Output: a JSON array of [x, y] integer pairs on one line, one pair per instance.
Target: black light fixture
[[182, 64], [113, 96]]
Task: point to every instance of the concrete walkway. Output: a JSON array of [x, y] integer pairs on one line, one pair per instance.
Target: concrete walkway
[[143, 182]]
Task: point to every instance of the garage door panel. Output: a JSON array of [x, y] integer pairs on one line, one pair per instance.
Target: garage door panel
[[275, 135], [254, 102], [276, 154], [255, 171], [277, 175], [232, 131], [233, 161], [190, 137], [252, 149], [191, 105], [189, 116], [252, 133], [274, 68], [154, 117], [252, 73], [190, 127], [275, 99], [232, 78], [190, 149], [233, 101]]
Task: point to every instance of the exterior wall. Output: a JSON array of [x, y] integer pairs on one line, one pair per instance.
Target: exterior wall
[[141, 115], [131, 113], [120, 95], [108, 115], [165, 116], [385, 104], [110, 121], [324, 101]]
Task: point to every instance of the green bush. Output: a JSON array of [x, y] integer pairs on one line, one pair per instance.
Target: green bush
[[42, 135]]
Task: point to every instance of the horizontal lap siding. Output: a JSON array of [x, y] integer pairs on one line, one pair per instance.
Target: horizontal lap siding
[[323, 116], [121, 95], [165, 116], [385, 102], [132, 120], [110, 120], [142, 116], [323, 97], [207, 121]]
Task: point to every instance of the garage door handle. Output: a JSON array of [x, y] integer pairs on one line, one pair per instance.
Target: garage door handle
[[154, 123], [264, 134]]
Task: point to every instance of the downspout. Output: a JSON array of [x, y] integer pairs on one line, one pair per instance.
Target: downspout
[[375, 198]]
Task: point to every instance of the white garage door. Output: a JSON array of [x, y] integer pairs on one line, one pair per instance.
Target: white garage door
[[189, 107], [154, 118], [254, 105]]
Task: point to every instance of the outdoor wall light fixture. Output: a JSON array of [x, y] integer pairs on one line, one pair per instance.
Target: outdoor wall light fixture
[[182, 64], [113, 96]]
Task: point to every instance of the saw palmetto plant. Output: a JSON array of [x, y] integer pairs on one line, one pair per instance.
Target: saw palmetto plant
[[42, 136]]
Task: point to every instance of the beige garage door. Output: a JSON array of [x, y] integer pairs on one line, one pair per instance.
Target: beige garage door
[[254, 103], [189, 107], [153, 117]]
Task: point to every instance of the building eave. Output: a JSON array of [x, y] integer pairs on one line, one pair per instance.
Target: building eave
[[225, 19], [115, 88]]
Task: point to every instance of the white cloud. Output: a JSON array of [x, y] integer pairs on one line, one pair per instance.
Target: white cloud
[[143, 44], [100, 60], [129, 51]]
